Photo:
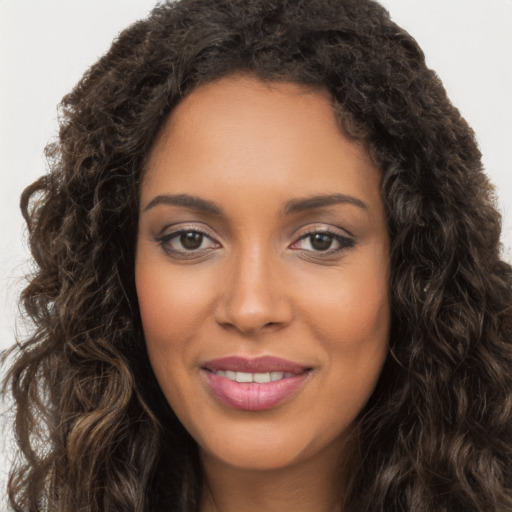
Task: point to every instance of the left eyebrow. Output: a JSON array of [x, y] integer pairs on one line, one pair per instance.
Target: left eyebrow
[[187, 201], [310, 203]]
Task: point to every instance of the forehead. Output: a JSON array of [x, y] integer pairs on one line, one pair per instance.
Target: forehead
[[240, 132]]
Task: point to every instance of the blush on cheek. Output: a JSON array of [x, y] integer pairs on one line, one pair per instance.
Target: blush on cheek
[[161, 298]]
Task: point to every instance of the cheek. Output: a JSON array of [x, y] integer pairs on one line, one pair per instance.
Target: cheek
[[353, 331], [167, 320], [171, 303], [168, 317], [351, 308], [175, 303], [351, 318], [363, 316]]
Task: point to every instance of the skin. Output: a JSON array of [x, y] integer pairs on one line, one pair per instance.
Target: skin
[[259, 285]]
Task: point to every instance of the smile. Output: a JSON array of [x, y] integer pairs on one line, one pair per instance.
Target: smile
[[260, 378], [254, 384]]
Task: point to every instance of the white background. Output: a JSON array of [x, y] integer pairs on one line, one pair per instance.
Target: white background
[[46, 45]]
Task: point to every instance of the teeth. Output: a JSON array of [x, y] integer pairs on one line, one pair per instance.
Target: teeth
[[260, 378], [243, 377]]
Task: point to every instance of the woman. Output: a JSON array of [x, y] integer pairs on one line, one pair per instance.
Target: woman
[[269, 277]]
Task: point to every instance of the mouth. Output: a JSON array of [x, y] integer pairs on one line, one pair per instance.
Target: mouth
[[259, 378], [254, 384]]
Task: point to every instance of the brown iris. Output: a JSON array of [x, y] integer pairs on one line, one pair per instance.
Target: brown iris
[[191, 240], [321, 241]]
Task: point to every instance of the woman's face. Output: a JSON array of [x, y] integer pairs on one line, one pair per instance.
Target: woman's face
[[262, 272]]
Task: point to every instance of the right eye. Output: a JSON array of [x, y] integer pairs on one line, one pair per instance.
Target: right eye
[[187, 243]]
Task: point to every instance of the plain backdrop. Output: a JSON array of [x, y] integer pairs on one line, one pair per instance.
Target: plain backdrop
[[46, 45]]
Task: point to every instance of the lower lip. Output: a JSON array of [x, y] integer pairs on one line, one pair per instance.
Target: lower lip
[[253, 396]]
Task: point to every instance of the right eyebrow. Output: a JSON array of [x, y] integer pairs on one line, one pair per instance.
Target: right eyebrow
[[186, 200], [320, 201]]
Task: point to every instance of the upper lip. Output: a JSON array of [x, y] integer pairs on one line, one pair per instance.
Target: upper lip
[[262, 364]]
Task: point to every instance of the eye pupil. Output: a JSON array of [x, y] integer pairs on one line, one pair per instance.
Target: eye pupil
[[321, 241], [191, 240]]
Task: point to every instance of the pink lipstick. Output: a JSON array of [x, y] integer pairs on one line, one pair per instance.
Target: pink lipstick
[[254, 384]]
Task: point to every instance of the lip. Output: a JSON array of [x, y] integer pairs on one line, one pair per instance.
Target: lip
[[254, 396]]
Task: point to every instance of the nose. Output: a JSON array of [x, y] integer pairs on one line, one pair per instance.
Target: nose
[[252, 299]]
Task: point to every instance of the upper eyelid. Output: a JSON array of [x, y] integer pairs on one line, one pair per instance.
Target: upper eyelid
[[171, 229], [322, 228], [340, 238]]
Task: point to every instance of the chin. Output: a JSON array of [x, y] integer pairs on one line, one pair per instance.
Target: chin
[[267, 447], [256, 457]]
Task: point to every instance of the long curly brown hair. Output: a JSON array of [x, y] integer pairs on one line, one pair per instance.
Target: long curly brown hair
[[93, 427]]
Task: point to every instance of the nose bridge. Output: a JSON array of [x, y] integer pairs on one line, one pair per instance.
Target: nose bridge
[[253, 296]]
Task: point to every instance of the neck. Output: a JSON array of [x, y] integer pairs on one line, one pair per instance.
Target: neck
[[316, 484]]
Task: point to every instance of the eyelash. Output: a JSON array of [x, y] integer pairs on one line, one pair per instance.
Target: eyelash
[[166, 240], [344, 243]]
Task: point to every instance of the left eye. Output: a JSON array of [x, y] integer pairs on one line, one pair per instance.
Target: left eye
[[323, 241], [186, 241], [191, 240]]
